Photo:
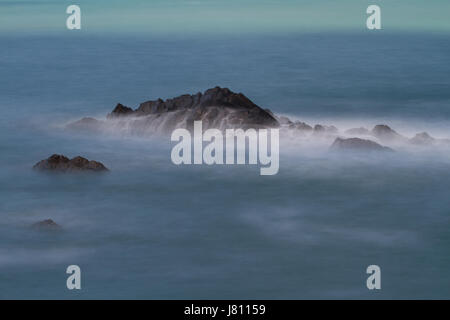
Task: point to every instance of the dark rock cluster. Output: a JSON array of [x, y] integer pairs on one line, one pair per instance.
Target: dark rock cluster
[[220, 108], [60, 163]]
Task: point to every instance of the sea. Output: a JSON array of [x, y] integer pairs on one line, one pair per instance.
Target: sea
[[150, 229]]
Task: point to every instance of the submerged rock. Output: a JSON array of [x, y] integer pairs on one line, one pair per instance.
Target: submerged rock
[[47, 224], [284, 120], [301, 126], [422, 139], [384, 133], [321, 129], [60, 163], [86, 124], [358, 131], [332, 129], [357, 144]]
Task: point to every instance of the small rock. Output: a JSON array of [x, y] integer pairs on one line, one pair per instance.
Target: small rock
[[384, 132], [60, 163], [284, 120], [47, 224], [357, 144], [422, 139], [300, 126], [358, 131], [86, 124], [320, 129], [120, 110], [332, 129]]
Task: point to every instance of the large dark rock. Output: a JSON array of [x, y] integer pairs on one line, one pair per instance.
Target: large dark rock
[[47, 224], [60, 163], [217, 108], [356, 144]]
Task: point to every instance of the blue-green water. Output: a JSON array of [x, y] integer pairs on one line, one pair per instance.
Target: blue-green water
[[150, 229]]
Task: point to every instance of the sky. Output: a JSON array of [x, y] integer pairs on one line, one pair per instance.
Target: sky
[[223, 16]]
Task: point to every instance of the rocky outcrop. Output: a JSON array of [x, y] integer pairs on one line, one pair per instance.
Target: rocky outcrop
[[216, 108], [220, 108], [47, 224], [60, 163], [357, 144]]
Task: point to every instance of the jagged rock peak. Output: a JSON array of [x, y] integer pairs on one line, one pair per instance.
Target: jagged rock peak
[[120, 109], [212, 97]]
